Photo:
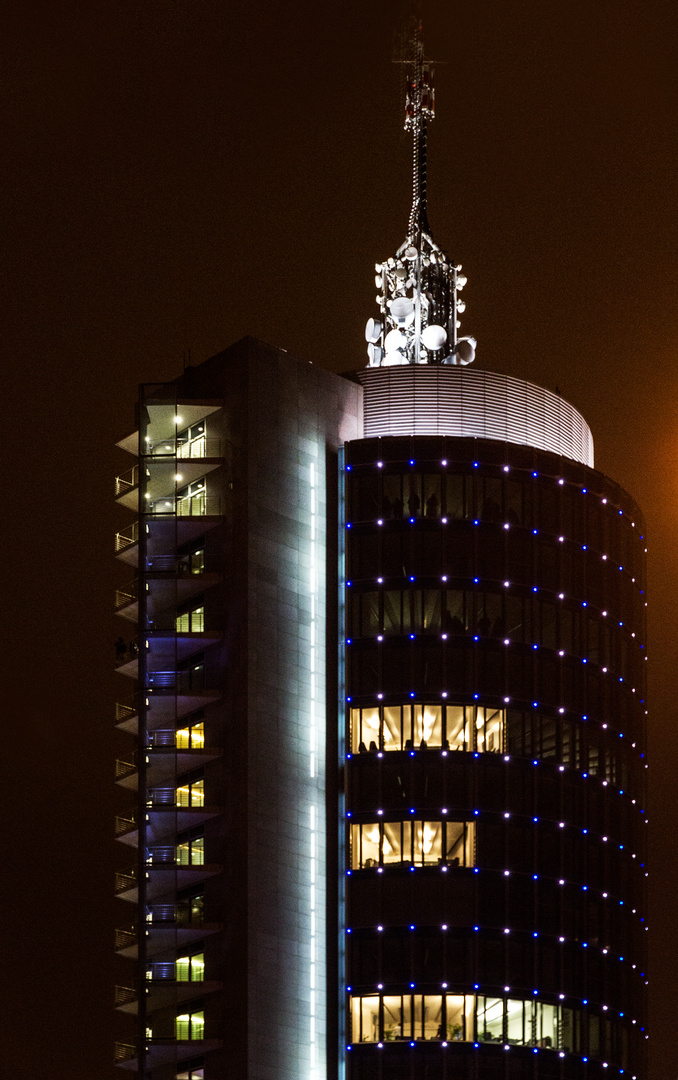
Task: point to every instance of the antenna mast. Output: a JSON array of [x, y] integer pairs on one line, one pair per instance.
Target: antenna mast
[[419, 286]]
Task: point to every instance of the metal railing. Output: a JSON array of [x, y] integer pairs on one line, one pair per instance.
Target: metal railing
[[124, 995], [125, 881], [197, 448], [175, 914], [184, 682], [126, 481], [124, 939], [123, 1052], [171, 972], [124, 769], [127, 595], [125, 712], [127, 537], [124, 825], [166, 855], [207, 506]]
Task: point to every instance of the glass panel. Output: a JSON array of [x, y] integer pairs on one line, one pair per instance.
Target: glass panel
[[428, 841], [198, 793], [460, 843], [431, 614], [490, 1019], [393, 1018], [369, 1018], [198, 561], [392, 849], [392, 612], [356, 736], [514, 1021], [184, 853], [364, 846], [197, 1025], [490, 730], [456, 1027], [457, 727], [197, 967], [547, 1033], [183, 795], [183, 969], [432, 1017], [198, 851], [428, 725], [197, 736], [392, 733], [408, 737], [370, 729], [183, 623], [198, 620]]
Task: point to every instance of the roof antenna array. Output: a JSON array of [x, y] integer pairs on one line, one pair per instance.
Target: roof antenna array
[[419, 287]]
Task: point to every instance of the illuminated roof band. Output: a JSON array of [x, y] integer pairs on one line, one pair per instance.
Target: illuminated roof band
[[427, 399]]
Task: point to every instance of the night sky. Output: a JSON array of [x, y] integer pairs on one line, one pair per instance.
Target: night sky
[[179, 174]]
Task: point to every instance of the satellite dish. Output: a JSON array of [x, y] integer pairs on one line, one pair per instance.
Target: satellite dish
[[394, 340], [433, 337], [401, 273], [465, 350], [410, 253], [376, 354], [402, 310], [373, 330]]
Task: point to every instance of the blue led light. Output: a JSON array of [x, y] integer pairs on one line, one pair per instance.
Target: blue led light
[[476, 464], [348, 640], [534, 532], [348, 468], [535, 646], [535, 474], [348, 525], [411, 462], [476, 522], [476, 928], [476, 696], [476, 580], [476, 812]]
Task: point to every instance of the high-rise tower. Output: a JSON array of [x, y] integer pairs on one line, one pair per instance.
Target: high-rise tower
[[386, 760]]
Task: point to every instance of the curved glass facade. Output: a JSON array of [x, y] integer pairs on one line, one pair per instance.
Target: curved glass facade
[[495, 684]]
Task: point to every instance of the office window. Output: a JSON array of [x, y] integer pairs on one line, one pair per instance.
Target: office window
[[191, 738], [191, 852], [190, 1026], [191, 968], [192, 619], [464, 1018], [191, 793], [420, 842], [424, 726]]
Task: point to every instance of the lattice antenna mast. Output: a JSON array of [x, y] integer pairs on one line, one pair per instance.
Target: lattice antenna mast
[[419, 112], [419, 302]]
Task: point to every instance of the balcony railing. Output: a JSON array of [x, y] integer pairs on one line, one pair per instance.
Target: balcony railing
[[127, 537], [126, 481], [129, 594], [207, 506], [165, 855], [125, 881], [184, 682], [124, 825], [125, 938], [124, 995], [196, 448], [124, 769], [179, 972], [173, 914], [125, 711]]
